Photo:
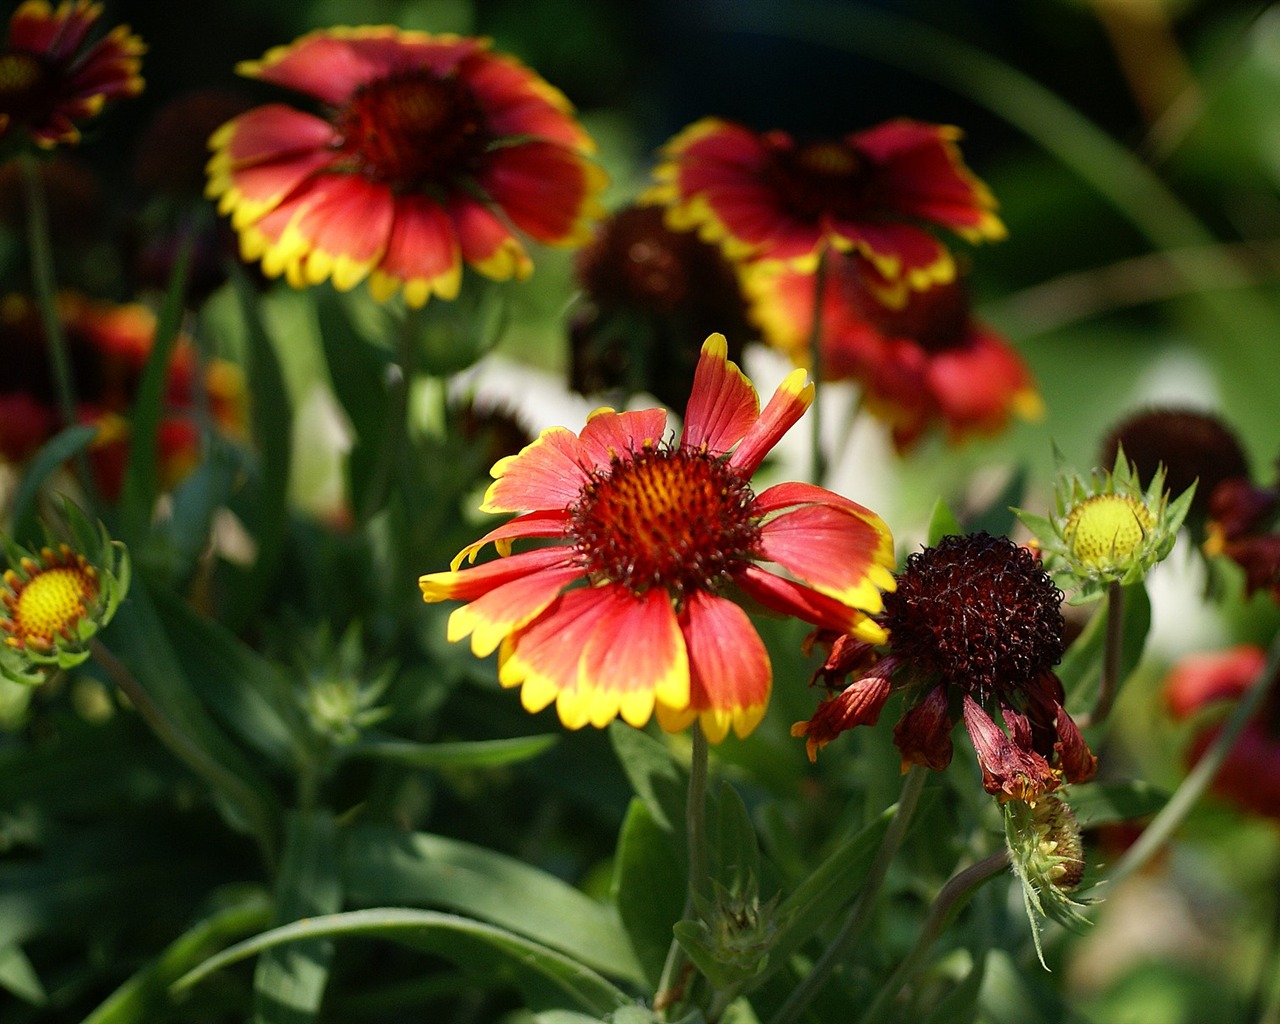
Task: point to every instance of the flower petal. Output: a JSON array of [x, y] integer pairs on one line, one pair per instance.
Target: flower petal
[[543, 657], [787, 405], [635, 658], [723, 405], [330, 64], [549, 523], [842, 554], [860, 703], [494, 616], [487, 244], [923, 734], [518, 102], [729, 670], [548, 473], [549, 192], [422, 255], [609, 435], [468, 584], [791, 598]]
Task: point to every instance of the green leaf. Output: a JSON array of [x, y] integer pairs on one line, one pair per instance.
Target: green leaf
[[230, 678], [19, 976], [737, 851], [942, 523], [460, 754], [960, 1005], [359, 373], [272, 419], [144, 995], [290, 980], [382, 865], [1081, 666], [649, 885], [1101, 803], [497, 957], [141, 474], [825, 893], [653, 773], [138, 638], [57, 450]]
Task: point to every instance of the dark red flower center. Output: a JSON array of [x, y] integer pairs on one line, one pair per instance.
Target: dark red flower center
[[936, 319], [24, 89], [413, 131], [664, 517], [978, 613], [820, 179]]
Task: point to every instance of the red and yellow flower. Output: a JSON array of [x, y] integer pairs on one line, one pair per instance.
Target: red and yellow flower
[[54, 601], [630, 610], [767, 196], [433, 152], [108, 346], [1250, 774], [51, 79], [921, 358]]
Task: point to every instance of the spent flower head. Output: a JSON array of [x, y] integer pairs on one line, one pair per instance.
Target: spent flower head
[[54, 601], [974, 627], [1107, 528]]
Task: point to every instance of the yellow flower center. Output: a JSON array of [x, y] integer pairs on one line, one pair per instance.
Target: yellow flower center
[[667, 518], [1107, 529], [52, 603]]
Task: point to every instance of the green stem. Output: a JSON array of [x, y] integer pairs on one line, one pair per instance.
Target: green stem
[[951, 897], [671, 985], [860, 914], [45, 286], [1109, 683], [195, 758], [44, 281], [1193, 787], [1262, 1009], [397, 419], [819, 467]]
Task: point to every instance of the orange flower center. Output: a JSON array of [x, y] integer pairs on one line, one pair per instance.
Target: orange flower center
[[412, 130], [52, 603], [821, 178], [22, 77], [670, 518]]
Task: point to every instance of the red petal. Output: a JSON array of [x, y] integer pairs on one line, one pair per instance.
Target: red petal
[[518, 102], [547, 474], [331, 64], [860, 703], [487, 243], [423, 254], [791, 598], [722, 405], [1200, 679], [923, 734], [729, 670], [609, 435], [494, 616], [469, 584], [838, 552], [548, 191], [550, 523], [787, 405]]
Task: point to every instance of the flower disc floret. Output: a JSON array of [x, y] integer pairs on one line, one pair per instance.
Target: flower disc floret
[[979, 613], [1107, 529], [52, 602], [974, 627], [631, 610], [665, 517]]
